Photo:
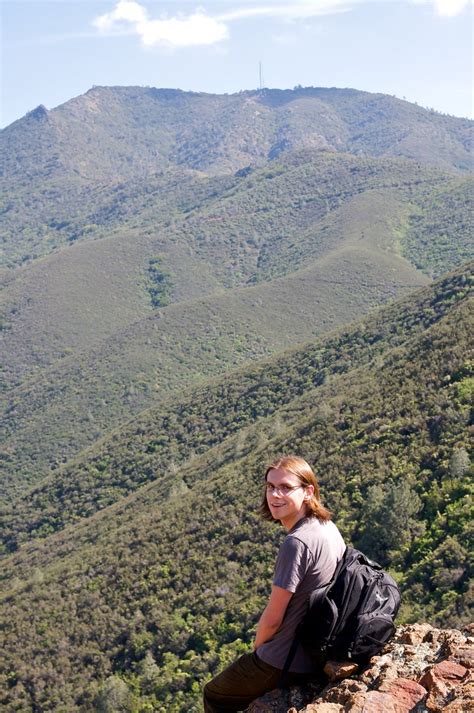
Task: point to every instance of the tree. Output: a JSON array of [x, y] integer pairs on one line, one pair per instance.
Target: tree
[[459, 463], [114, 697], [390, 521]]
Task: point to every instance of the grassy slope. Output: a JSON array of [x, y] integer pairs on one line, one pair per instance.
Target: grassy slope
[[119, 204], [76, 297], [252, 229], [119, 592], [49, 419], [112, 355], [175, 430], [220, 234]]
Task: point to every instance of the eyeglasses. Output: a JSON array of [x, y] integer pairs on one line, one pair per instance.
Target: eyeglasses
[[282, 490]]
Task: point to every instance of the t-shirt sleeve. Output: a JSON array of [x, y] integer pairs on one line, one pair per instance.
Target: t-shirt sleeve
[[292, 564]]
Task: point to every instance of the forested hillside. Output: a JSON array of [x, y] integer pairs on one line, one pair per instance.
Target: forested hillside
[[191, 284], [154, 239], [383, 413], [178, 293], [182, 427]]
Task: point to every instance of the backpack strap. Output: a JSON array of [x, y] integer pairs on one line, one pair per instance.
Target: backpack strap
[[295, 642]]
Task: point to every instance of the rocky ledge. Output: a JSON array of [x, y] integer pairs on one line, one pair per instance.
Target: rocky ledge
[[422, 670]]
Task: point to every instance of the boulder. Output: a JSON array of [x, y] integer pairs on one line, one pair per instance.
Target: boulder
[[343, 691], [415, 634], [372, 702], [441, 680], [421, 669], [463, 654], [407, 694], [337, 670]]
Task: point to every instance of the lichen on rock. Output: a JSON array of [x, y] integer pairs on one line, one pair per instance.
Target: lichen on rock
[[422, 670]]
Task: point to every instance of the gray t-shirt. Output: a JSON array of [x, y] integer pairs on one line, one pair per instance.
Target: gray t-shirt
[[306, 560]]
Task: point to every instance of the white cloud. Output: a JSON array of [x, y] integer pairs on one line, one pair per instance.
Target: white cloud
[[195, 29], [290, 11], [446, 8], [199, 28], [450, 8], [180, 31], [125, 13]]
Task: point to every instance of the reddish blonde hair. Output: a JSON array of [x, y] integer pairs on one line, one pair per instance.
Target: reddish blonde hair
[[303, 471]]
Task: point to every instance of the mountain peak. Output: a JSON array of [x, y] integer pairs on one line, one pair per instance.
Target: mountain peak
[[40, 113]]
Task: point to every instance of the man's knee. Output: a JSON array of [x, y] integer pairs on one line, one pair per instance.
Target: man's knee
[[208, 697]]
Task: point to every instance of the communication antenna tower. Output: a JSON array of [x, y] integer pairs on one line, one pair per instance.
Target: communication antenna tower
[[260, 76]]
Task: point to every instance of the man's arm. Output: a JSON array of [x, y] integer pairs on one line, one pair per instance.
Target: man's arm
[[272, 616]]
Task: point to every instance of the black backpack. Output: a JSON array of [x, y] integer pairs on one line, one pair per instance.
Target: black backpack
[[351, 618]]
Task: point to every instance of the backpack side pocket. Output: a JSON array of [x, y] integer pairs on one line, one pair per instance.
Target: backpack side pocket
[[371, 634]]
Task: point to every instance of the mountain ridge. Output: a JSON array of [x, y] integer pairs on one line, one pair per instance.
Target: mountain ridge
[[181, 416], [132, 595], [192, 286], [117, 133], [136, 367], [346, 219], [82, 316]]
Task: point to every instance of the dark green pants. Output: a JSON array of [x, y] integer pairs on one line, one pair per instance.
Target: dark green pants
[[242, 682]]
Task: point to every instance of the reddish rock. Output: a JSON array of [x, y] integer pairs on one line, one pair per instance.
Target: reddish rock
[[463, 654], [446, 671], [404, 679], [415, 634], [343, 691], [372, 702], [463, 701], [337, 670], [406, 693], [450, 670], [440, 680]]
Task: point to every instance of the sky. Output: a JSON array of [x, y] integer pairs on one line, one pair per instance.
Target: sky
[[53, 50]]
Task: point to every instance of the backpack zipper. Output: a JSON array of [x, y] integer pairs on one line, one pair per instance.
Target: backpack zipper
[[368, 594]]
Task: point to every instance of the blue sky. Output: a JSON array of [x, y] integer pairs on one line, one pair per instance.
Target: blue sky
[[56, 49]]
